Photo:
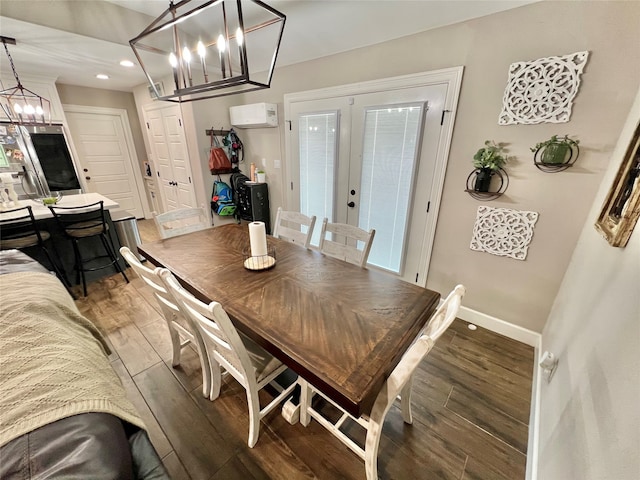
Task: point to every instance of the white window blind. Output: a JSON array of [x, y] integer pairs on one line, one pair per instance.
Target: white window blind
[[317, 137], [391, 137]]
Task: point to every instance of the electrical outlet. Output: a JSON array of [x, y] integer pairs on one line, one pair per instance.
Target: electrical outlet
[[548, 363], [276, 164]]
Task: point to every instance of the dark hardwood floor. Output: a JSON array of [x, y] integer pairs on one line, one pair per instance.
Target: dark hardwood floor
[[471, 405]]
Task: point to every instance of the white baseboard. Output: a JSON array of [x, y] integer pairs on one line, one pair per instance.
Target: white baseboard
[[534, 420], [533, 339], [528, 337]]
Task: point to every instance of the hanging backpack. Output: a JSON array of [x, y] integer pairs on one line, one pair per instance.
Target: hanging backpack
[[221, 199]]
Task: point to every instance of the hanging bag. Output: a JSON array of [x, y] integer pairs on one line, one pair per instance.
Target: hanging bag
[[218, 160], [221, 201]]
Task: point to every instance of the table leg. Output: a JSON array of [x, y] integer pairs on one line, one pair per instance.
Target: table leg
[[291, 411], [306, 395]]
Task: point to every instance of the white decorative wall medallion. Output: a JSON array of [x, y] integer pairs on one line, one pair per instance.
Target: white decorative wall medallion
[[503, 232], [542, 91]]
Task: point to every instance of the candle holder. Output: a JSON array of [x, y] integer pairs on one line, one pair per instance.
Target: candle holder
[[259, 262]]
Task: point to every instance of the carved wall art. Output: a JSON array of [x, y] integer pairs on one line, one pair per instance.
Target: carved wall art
[[503, 232], [542, 91]]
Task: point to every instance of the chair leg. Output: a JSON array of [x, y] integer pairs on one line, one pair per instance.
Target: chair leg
[[253, 401], [216, 379], [372, 443], [106, 240], [405, 402], [176, 345], [79, 266], [56, 267]]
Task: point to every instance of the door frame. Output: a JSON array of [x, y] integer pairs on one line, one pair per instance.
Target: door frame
[[128, 138], [451, 77]]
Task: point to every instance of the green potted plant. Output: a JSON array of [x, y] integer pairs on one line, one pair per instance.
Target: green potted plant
[[487, 160], [555, 151]]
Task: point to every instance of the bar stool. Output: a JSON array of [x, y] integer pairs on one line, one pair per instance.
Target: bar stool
[[19, 230], [83, 222]]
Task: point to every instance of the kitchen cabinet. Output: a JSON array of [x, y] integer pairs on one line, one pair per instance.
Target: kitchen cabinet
[[152, 194]]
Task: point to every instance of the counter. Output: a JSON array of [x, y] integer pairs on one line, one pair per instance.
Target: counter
[[62, 247], [42, 212]]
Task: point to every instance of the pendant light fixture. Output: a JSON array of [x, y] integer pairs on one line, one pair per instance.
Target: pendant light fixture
[[19, 104], [210, 48]]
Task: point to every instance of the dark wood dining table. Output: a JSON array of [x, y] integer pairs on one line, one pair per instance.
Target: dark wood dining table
[[340, 327]]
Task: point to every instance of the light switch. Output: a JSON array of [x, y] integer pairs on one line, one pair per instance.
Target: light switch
[[276, 164]]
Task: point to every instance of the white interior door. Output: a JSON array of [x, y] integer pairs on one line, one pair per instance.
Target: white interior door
[[169, 154], [161, 159], [177, 144], [106, 158], [386, 158]]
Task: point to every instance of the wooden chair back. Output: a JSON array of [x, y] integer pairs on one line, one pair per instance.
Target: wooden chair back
[[181, 221], [179, 327], [221, 339], [246, 361], [343, 242], [289, 226]]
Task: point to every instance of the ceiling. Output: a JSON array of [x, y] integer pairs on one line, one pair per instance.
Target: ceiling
[[314, 28]]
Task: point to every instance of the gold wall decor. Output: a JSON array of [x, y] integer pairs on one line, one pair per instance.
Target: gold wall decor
[[621, 208]]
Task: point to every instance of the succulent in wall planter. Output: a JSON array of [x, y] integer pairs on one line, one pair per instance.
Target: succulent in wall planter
[[487, 160], [555, 151]]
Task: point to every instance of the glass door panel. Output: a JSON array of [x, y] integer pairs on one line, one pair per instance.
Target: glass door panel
[[389, 156]]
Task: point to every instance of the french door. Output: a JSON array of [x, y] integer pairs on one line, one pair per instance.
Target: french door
[[369, 160]]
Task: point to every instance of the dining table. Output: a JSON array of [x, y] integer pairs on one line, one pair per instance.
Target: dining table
[[340, 327]]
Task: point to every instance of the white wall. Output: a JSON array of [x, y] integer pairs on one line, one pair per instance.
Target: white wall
[[519, 292], [590, 411]]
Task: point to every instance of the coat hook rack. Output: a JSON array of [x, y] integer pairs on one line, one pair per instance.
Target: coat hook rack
[[217, 133]]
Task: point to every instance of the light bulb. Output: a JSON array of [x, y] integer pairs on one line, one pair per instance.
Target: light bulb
[[221, 44], [39, 110], [173, 60], [201, 50], [239, 36], [29, 110], [186, 54], [17, 108]]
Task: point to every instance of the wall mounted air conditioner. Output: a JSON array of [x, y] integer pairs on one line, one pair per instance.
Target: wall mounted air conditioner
[[256, 115]]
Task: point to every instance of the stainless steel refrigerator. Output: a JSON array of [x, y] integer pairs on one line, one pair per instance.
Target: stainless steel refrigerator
[[39, 160]]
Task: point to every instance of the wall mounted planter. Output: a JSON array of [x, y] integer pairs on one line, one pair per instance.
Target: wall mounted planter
[[487, 184]]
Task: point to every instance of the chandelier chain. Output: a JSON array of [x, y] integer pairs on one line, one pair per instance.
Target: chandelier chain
[[13, 68]]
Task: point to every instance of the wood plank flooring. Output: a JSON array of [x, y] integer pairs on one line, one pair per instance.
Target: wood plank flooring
[[471, 405]]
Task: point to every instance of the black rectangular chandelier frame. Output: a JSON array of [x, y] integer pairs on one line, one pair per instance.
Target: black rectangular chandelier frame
[[216, 87]]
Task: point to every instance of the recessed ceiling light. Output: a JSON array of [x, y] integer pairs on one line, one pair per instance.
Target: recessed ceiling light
[[127, 63], [102, 76]]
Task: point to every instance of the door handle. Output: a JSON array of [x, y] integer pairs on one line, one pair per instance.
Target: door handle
[[88, 178], [351, 204]]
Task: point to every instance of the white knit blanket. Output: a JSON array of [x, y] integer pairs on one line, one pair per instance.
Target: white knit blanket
[[53, 361]]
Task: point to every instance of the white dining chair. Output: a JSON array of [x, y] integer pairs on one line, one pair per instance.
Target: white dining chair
[[397, 385], [181, 221], [181, 329], [251, 365], [343, 242], [290, 225]]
